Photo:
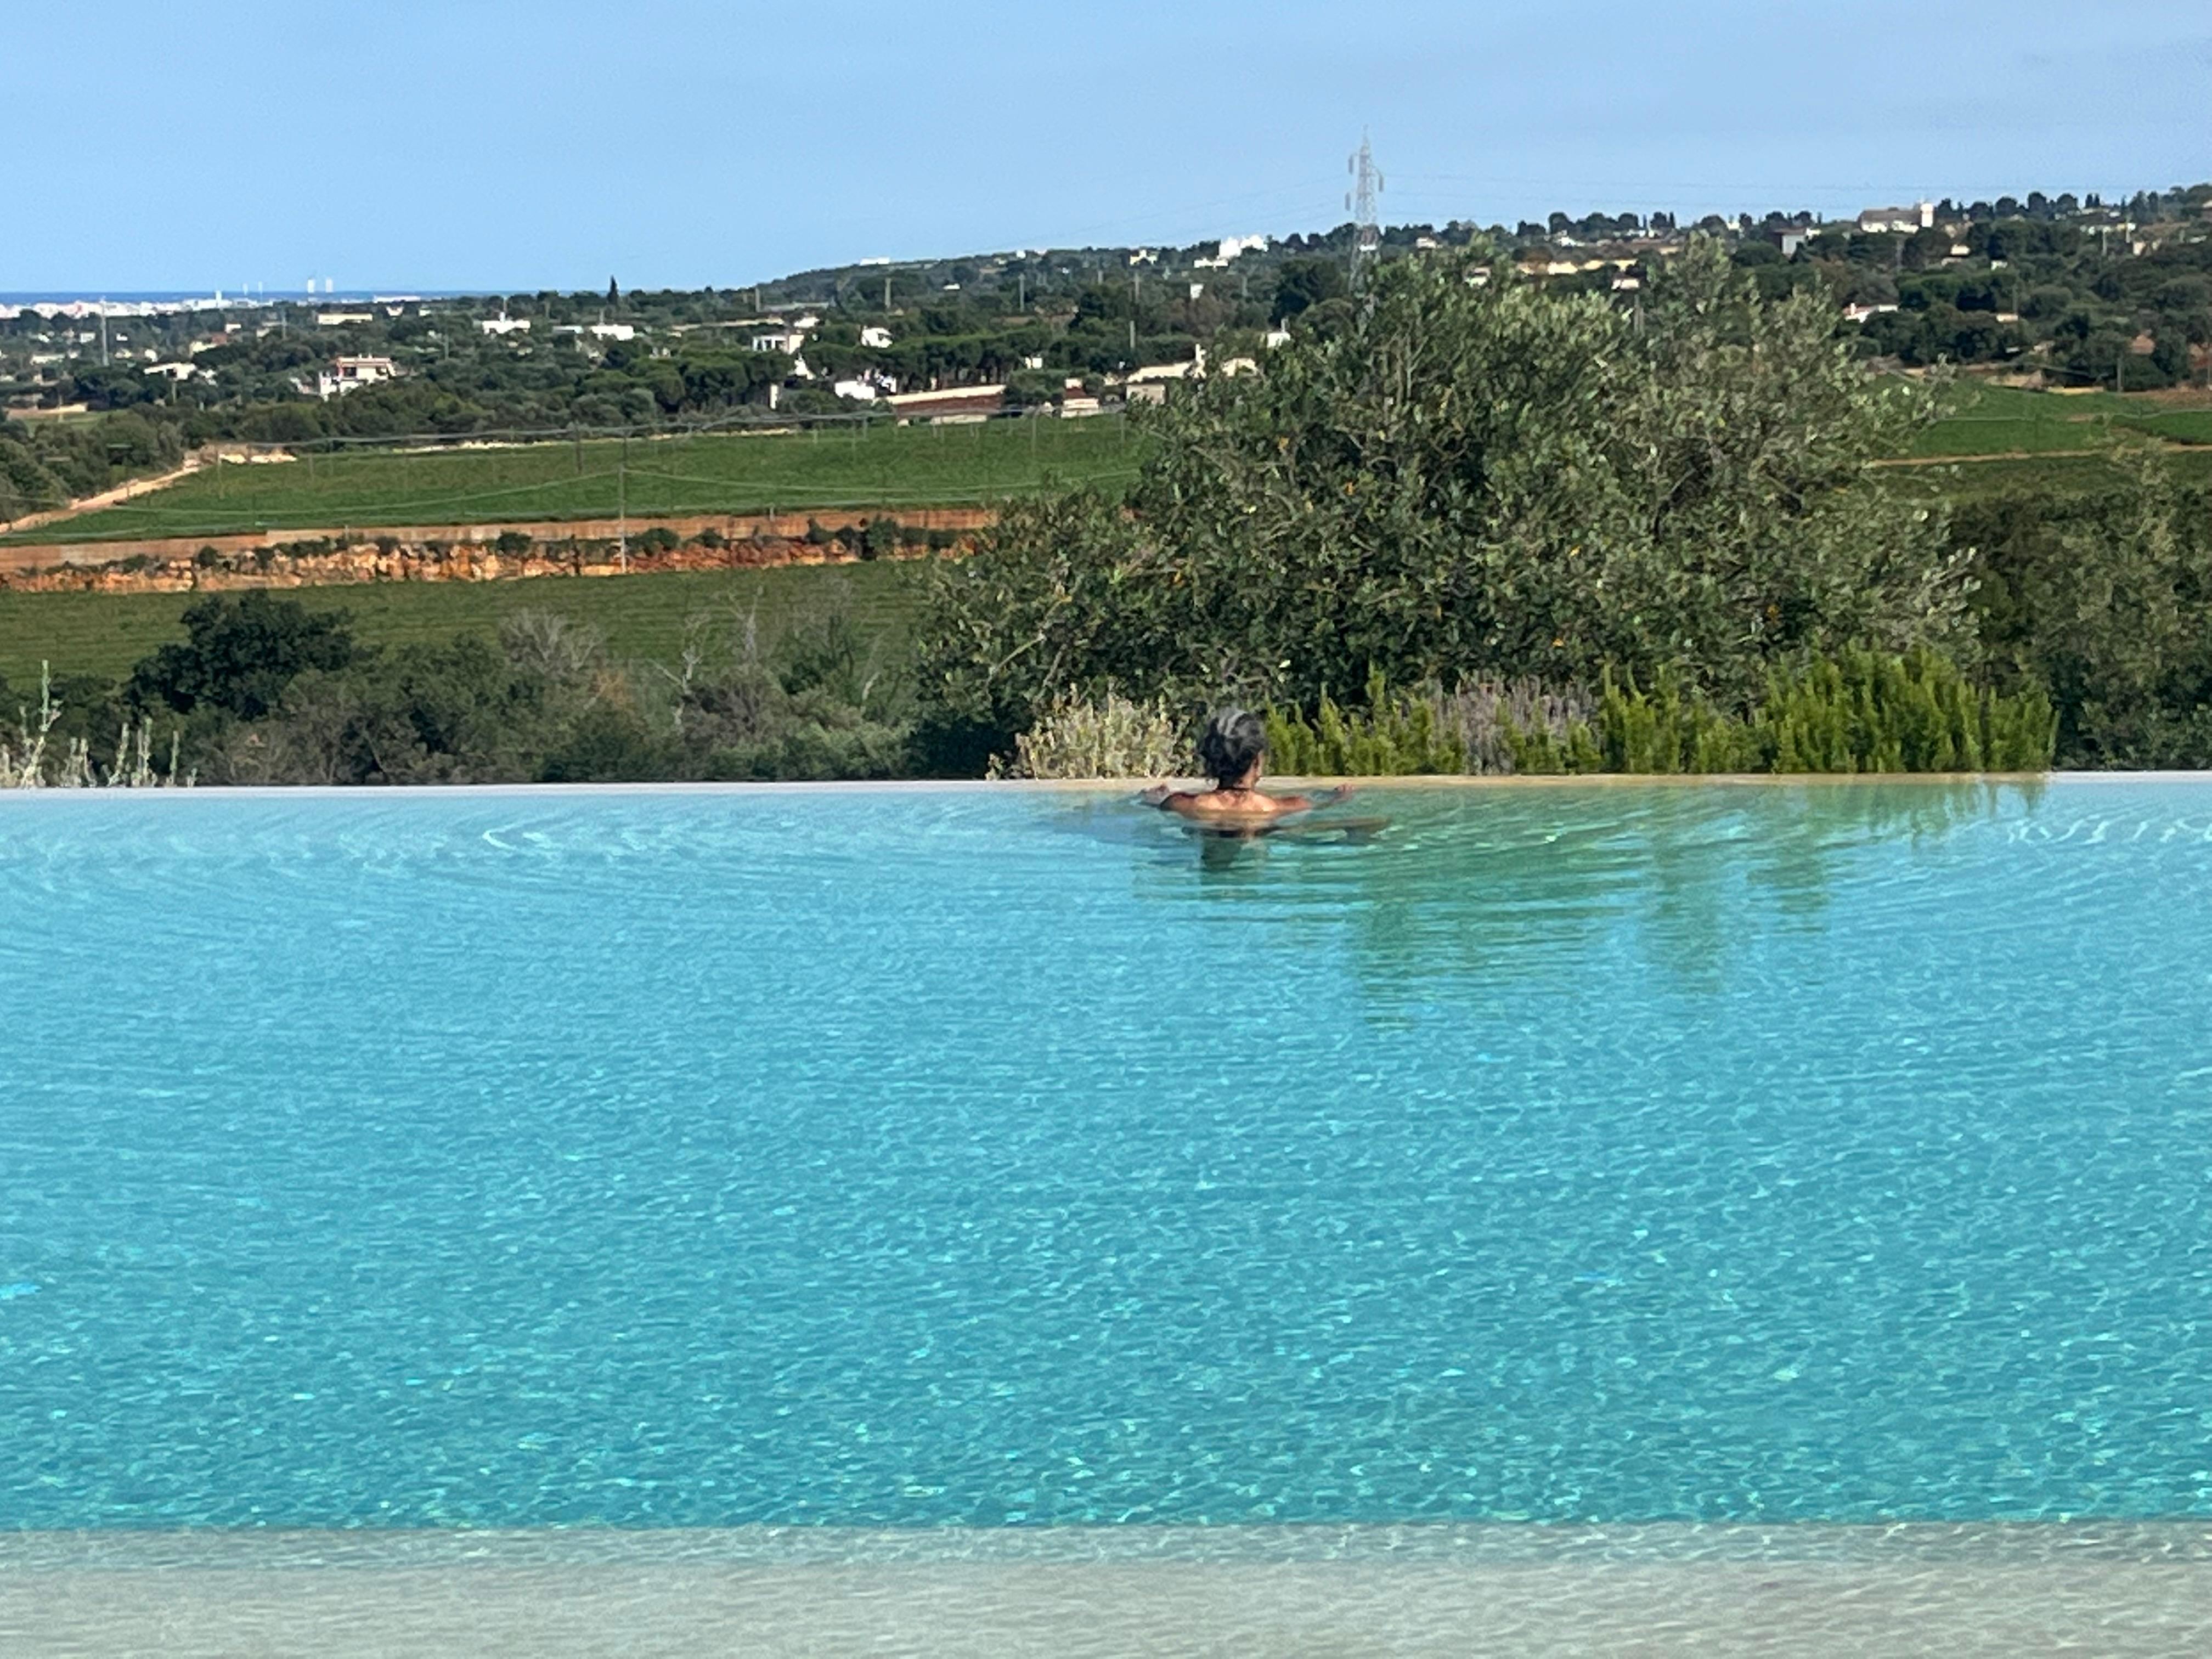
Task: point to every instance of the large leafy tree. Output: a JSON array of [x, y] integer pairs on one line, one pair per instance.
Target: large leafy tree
[[241, 655], [1476, 475]]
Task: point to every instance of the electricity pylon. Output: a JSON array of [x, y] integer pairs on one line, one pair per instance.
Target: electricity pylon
[[1367, 185]]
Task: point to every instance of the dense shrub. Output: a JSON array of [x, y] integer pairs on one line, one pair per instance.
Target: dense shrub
[[1109, 738], [241, 653], [1864, 711], [2103, 600], [1861, 711], [1392, 736]]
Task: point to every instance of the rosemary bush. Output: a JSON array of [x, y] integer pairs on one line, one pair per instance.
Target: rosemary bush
[[1110, 738], [1398, 733], [1859, 711]]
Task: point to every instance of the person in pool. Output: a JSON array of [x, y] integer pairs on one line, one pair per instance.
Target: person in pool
[[1234, 752]]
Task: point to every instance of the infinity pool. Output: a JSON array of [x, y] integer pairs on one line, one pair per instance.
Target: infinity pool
[[916, 1157]]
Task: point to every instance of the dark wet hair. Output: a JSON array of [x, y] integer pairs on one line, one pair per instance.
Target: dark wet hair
[[1235, 738]]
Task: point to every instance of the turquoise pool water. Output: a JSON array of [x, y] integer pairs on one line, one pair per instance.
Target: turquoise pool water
[[903, 1158]]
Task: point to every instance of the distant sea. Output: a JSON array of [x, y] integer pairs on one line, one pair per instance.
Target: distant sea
[[178, 296]]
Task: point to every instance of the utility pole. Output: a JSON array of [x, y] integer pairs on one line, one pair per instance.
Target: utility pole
[[103, 330], [1359, 200], [621, 504]]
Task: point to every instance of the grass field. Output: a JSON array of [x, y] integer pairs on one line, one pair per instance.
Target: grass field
[[852, 467], [642, 616], [2004, 421]]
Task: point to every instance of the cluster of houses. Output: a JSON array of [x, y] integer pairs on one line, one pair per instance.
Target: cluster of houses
[[77, 329]]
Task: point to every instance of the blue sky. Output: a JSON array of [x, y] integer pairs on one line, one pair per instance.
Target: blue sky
[[678, 142]]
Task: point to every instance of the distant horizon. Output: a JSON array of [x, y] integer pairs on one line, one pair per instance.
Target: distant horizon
[[254, 293], [420, 147]]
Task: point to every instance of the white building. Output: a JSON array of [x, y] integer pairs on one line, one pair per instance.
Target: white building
[[875, 337], [788, 339], [340, 319], [861, 392], [1904, 221], [504, 324], [1148, 385], [351, 373], [613, 331], [1228, 248]]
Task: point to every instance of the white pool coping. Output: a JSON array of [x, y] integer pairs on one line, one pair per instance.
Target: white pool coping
[[1114, 786], [2107, 1589]]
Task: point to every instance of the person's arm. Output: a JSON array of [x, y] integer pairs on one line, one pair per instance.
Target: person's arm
[[1311, 803], [1167, 797]]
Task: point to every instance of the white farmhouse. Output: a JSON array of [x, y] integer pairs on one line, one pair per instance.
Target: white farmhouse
[[1919, 216], [351, 373], [876, 338], [504, 324]]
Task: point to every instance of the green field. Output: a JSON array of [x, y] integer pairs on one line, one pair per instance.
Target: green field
[[880, 465], [2005, 420], [642, 616], [857, 467]]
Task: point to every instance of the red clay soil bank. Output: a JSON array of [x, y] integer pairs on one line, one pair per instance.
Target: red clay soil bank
[[308, 558]]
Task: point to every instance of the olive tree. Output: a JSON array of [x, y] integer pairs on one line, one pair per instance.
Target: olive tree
[[1475, 475]]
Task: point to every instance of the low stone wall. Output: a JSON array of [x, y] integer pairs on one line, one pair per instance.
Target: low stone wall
[[297, 558]]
